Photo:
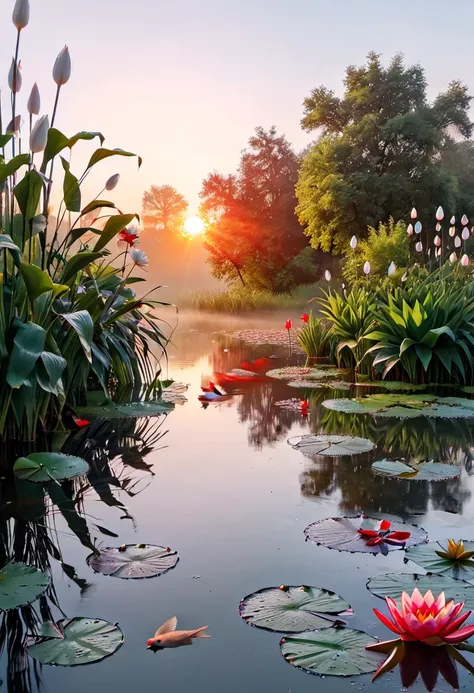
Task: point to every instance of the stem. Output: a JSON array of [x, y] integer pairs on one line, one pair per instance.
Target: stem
[[17, 49], [48, 191]]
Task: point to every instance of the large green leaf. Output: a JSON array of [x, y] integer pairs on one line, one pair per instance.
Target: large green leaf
[[426, 557], [101, 154], [28, 193], [49, 466], [20, 584], [57, 142], [331, 652], [97, 204], [292, 609], [71, 189], [6, 243], [133, 561], [83, 325], [77, 263], [109, 410], [38, 282], [77, 641], [424, 471], [113, 226], [28, 344], [49, 371], [393, 584], [12, 166], [331, 446]]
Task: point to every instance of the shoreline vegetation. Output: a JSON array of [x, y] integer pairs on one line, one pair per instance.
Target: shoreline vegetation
[[243, 300]]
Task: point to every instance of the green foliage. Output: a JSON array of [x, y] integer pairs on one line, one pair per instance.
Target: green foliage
[[379, 152], [241, 299], [386, 244], [317, 340]]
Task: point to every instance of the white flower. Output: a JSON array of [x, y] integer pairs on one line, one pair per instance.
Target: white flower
[[353, 242], [391, 268], [438, 227], [440, 214], [327, 275], [14, 77], [457, 242], [410, 230], [34, 101], [21, 14], [452, 220], [413, 213], [453, 257], [367, 268], [452, 231], [418, 227], [62, 67], [139, 258], [437, 241], [465, 234], [465, 260], [39, 135], [464, 220], [112, 181], [419, 247]]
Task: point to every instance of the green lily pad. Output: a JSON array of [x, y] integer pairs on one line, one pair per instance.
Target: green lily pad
[[49, 466], [427, 558], [393, 584], [425, 471], [331, 652], [133, 561], [291, 609], [308, 384], [331, 446], [83, 641], [110, 410], [342, 534], [21, 584], [405, 406], [304, 373], [393, 385]]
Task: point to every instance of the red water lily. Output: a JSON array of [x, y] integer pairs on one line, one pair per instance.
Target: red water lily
[[381, 533], [305, 317], [127, 237], [288, 324]]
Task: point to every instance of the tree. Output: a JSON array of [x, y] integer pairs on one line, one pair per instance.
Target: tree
[[163, 209], [253, 234], [378, 152], [386, 244]]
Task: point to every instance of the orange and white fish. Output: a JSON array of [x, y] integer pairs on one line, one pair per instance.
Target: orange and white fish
[[168, 636]]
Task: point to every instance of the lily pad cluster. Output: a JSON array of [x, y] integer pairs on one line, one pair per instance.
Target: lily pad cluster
[[423, 471], [306, 374], [405, 406]]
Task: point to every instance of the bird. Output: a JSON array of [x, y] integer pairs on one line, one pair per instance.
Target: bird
[[168, 636]]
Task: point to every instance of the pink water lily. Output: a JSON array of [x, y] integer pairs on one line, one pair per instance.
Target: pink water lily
[[426, 619]]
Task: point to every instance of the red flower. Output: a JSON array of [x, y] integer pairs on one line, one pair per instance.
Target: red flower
[[305, 404], [81, 423], [305, 317], [127, 237], [381, 533], [288, 324]]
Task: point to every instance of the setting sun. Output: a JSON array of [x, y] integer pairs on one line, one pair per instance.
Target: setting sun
[[194, 226]]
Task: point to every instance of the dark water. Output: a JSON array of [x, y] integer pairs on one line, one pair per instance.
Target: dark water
[[221, 485]]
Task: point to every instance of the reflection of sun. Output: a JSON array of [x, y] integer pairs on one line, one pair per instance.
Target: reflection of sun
[[194, 226]]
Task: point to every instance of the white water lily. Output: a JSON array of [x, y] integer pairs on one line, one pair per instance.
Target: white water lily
[[418, 227], [21, 14], [410, 230], [452, 220], [464, 220], [62, 67], [452, 231], [34, 101], [353, 242], [112, 182], [14, 77], [419, 247], [413, 213], [391, 268], [367, 268], [327, 275], [465, 233], [440, 213], [39, 135], [453, 257], [139, 257], [465, 260], [457, 242], [437, 241]]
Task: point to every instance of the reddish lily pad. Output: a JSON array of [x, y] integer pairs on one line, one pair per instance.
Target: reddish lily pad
[[368, 535]]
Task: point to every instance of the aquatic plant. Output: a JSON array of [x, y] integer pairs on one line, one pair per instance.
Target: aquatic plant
[[316, 339]]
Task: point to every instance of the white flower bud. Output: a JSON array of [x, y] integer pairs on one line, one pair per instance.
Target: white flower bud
[[437, 241], [353, 242], [465, 234], [452, 231], [327, 275], [465, 260], [452, 220], [464, 220], [34, 102], [418, 227], [453, 257], [391, 268], [457, 242], [112, 182], [419, 247], [410, 230], [62, 67], [21, 14], [413, 213], [14, 77], [367, 268], [39, 135], [439, 214]]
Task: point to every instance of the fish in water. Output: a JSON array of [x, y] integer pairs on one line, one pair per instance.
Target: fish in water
[[168, 636]]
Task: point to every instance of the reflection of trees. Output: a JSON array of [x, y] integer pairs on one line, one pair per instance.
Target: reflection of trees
[[267, 423]]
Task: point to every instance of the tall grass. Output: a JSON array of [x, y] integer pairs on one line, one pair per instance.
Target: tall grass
[[242, 299]]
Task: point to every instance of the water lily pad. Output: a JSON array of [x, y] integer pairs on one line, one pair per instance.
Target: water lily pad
[[83, 641], [393, 584], [21, 584], [425, 471], [49, 466], [308, 384], [133, 561], [293, 404], [342, 534], [405, 406], [109, 410], [331, 446], [304, 373], [331, 652], [291, 609], [393, 385], [174, 392], [427, 558]]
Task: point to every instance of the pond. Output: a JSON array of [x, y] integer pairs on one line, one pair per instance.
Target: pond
[[219, 484]]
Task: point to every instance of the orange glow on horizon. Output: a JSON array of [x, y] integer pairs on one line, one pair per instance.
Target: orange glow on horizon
[[194, 226]]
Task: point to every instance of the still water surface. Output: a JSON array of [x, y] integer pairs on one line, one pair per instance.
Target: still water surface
[[221, 485]]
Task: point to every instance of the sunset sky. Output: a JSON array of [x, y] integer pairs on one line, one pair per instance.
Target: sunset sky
[[184, 82]]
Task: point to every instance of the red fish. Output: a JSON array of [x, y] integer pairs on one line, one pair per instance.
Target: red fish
[[168, 636]]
